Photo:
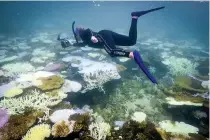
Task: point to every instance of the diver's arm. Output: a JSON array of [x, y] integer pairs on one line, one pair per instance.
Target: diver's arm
[[79, 44]]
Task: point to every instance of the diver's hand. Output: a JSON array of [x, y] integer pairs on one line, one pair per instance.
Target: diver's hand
[[94, 39], [131, 55]]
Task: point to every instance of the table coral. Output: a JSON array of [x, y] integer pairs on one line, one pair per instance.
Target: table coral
[[38, 132], [50, 83], [13, 92]]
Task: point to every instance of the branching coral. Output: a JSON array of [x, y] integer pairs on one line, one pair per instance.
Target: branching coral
[[62, 128], [180, 66], [99, 130], [98, 78], [81, 121], [34, 100], [38, 132]]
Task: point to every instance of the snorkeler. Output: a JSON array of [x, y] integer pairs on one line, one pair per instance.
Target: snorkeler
[[109, 39]]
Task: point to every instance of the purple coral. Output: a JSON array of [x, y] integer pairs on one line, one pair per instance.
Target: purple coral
[[79, 111], [119, 123], [3, 117], [53, 67], [4, 88]]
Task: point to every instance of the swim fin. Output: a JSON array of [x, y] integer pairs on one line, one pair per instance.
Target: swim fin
[[141, 13], [139, 61]]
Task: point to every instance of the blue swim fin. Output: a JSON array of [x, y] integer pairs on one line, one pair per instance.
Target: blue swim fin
[[139, 61]]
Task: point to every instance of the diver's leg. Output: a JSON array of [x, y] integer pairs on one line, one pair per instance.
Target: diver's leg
[[130, 40]]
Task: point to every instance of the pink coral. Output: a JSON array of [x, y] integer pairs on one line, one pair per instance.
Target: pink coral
[[3, 117]]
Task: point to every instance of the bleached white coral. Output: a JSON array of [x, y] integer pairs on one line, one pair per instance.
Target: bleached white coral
[[38, 60], [139, 117], [99, 130], [95, 74], [93, 55], [42, 52], [14, 69], [33, 77], [177, 127], [38, 132], [152, 69], [172, 101], [98, 78], [34, 100], [71, 86], [42, 37], [180, 66], [66, 113], [123, 59], [8, 59]]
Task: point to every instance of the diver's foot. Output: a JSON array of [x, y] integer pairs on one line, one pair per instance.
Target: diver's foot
[[141, 13], [139, 61]]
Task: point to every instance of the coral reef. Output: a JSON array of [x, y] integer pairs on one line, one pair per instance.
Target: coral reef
[[120, 68], [32, 77], [33, 99], [3, 79], [99, 130], [61, 129], [174, 136], [139, 117], [135, 130], [38, 132], [18, 125], [81, 121], [189, 84], [177, 127], [3, 117], [60, 106], [182, 95], [180, 66], [71, 86], [14, 69], [11, 58], [51, 82], [13, 92], [66, 113], [172, 101], [94, 73]]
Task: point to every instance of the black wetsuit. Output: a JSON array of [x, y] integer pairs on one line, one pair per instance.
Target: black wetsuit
[[109, 39]]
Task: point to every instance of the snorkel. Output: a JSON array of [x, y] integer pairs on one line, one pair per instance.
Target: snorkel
[[75, 32]]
